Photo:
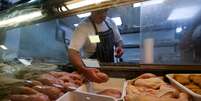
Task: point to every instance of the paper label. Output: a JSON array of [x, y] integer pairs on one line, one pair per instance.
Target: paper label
[[94, 39]]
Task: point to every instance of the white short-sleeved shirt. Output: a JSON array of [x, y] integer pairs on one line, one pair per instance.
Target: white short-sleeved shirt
[[80, 39]]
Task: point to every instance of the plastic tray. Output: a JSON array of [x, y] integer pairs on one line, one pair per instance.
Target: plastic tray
[[82, 94], [195, 97], [113, 83]]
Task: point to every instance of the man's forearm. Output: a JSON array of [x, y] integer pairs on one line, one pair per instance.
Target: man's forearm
[[75, 59], [119, 44]]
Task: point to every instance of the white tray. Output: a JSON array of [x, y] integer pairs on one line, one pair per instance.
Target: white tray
[[81, 94], [196, 97], [112, 83]]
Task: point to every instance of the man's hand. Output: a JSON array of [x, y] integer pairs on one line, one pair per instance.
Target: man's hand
[[91, 74], [119, 51]]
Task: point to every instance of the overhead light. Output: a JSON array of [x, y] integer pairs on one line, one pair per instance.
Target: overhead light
[[179, 29], [83, 3], [117, 21], [3, 47], [21, 18], [64, 9], [58, 9], [152, 2], [184, 13], [84, 15], [32, 1], [75, 25], [135, 5], [148, 3]]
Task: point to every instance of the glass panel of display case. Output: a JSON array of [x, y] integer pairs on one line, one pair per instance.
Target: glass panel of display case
[[175, 28]]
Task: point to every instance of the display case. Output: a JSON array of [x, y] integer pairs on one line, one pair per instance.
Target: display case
[[173, 27], [137, 24]]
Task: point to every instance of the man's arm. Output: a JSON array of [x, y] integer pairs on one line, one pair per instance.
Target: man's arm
[[74, 57], [89, 73], [119, 51], [118, 40], [77, 42], [78, 39], [119, 44]]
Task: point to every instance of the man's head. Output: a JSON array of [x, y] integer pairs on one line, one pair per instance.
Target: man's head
[[99, 16]]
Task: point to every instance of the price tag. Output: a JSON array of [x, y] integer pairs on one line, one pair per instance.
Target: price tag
[[94, 39]]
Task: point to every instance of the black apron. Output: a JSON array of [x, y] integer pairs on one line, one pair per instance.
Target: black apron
[[105, 49]]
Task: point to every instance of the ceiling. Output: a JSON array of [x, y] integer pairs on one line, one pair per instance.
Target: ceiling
[[127, 13], [153, 15], [147, 15]]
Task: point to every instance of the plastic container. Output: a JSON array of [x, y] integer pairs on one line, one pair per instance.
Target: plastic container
[[195, 96], [82, 93], [83, 96], [113, 83]]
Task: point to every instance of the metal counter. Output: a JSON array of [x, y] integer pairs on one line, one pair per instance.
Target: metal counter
[[129, 71]]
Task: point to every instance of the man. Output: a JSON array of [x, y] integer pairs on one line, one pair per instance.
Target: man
[[191, 41], [97, 25], [196, 39]]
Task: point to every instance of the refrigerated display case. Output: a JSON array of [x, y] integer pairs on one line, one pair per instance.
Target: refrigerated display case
[[168, 23]]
